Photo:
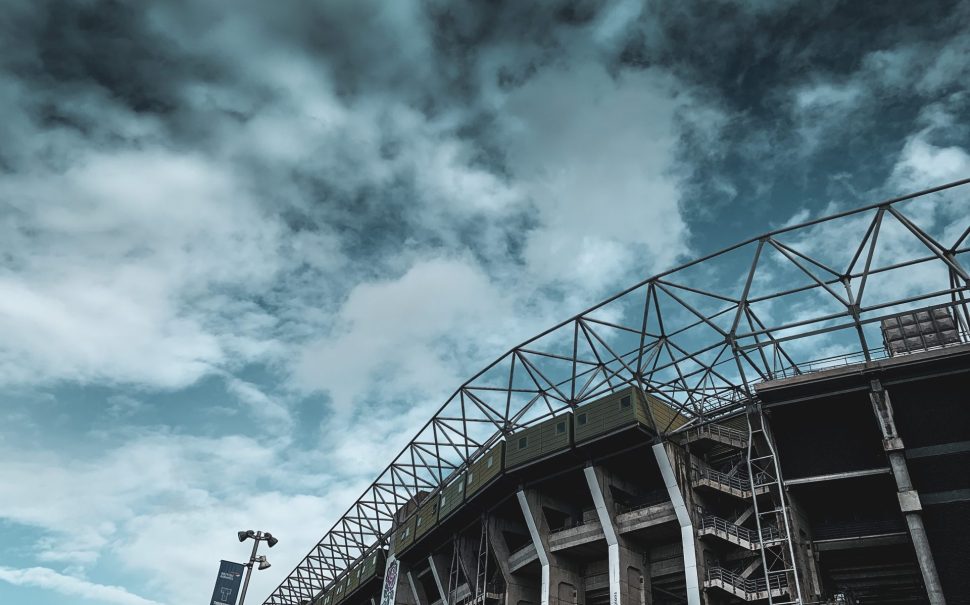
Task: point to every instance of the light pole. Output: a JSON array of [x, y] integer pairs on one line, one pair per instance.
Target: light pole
[[263, 563]]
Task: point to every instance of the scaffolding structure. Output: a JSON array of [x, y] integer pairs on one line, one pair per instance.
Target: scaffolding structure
[[697, 337]]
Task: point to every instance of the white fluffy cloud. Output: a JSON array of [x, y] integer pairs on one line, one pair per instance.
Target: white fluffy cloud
[[71, 586], [105, 262], [598, 162], [166, 508]]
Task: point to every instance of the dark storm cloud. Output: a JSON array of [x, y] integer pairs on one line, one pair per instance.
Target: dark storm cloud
[[388, 131]]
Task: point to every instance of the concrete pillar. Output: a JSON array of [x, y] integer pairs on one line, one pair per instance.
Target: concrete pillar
[[417, 590], [909, 501], [468, 559], [691, 570], [440, 573], [517, 588], [556, 571], [629, 579]]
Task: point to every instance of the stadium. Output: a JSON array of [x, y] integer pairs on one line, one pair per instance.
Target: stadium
[[783, 421]]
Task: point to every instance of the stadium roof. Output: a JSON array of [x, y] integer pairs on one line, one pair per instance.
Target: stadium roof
[[796, 299]]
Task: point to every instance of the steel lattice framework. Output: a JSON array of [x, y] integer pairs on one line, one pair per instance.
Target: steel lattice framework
[[698, 336]]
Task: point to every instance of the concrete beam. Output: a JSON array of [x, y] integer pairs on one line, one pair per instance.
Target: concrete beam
[[691, 575], [439, 571], [908, 496], [558, 572], [839, 476], [609, 531], [417, 590], [537, 542], [517, 589]]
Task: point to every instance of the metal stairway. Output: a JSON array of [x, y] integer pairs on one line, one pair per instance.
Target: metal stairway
[[711, 525], [738, 485], [772, 587], [718, 434], [778, 555]]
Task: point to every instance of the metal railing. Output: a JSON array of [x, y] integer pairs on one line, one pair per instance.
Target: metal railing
[[752, 586], [739, 481], [716, 430], [768, 532], [875, 353]]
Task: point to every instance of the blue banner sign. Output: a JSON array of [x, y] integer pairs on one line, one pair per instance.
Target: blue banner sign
[[227, 583]]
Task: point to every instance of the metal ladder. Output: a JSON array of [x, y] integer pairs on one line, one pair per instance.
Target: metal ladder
[[453, 572], [481, 576], [778, 558]]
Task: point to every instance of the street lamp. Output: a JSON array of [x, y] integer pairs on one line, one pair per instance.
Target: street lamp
[[256, 536]]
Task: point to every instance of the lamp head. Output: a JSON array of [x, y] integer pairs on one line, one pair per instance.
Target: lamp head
[[242, 535], [270, 539]]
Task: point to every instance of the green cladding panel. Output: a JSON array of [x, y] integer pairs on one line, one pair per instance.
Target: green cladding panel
[[625, 408], [618, 410], [353, 578], [538, 441], [340, 591], [404, 535], [427, 516], [667, 417], [451, 496], [373, 565], [483, 470]]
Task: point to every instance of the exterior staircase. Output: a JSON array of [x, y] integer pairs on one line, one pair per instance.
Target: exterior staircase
[[750, 589], [737, 485], [739, 535], [716, 433]]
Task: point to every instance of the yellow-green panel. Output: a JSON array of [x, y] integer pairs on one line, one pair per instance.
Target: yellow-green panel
[[451, 496], [340, 591], [353, 578], [667, 418], [373, 565], [556, 434], [426, 518], [485, 468], [522, 446], [535, 442], [404, 535], [615, 411]]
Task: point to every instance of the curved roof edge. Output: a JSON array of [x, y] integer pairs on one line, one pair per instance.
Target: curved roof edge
[[697, 336]]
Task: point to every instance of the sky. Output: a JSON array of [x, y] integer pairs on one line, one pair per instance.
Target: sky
[[248, 248]]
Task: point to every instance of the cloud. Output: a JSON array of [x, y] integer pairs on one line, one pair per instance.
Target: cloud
[[99, 285], [168, 498], [49, 579], [598, 163], [354, 207], [411, 337]]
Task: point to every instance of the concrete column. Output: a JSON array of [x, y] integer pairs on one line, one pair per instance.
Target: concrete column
[[909, 501], [622, 558], [609, 531], [555, 570], [691, 573], [417, 590], [440, 573], [516, 588], [541, 551]]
